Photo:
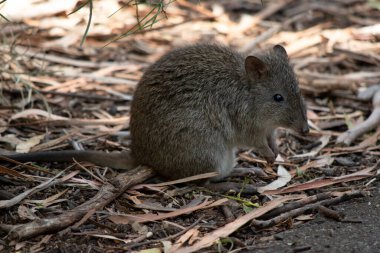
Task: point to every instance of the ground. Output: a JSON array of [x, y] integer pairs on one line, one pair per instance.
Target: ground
[[58, 95], [362, 234]]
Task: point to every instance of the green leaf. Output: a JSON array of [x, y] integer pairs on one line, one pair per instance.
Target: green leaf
[[88, 23], [299, 172], [225, 241], [247, 209]]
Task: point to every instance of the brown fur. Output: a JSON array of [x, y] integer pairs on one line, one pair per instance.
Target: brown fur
[[196, 105]]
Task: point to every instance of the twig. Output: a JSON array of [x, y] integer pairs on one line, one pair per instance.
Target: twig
[[101, 79], [329, 213], [296, 204], [170, 237], [269, 33], [40, 187], [369, 124], [106, 194], [231, 227], [77, 95], [206, 18], [61, 60], [323, 182], [256, 19], [70, 121], [229, 216], [298, 211], [4, 158]]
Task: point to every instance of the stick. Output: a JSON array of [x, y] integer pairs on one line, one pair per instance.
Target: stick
[[231, 227], [11, 202], [369, 124], [256, 19], [170, 237], [249, 47], [265, 13], [296, 204], [106, 194], [60, 59], [298, 211]]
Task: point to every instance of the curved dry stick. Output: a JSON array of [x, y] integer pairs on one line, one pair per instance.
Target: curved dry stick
[[17, 199], [369, 124], [296, 204], [259, 224], [106, 194]]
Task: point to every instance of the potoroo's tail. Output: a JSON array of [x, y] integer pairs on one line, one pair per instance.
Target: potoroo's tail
[[117, 160]]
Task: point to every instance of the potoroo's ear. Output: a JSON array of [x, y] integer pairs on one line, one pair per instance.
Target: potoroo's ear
[[280, 50], [255, 68]]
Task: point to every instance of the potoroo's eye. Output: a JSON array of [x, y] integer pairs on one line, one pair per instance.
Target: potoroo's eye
[[278, 98]]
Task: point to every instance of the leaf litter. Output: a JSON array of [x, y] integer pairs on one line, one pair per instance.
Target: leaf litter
[[56, 95]]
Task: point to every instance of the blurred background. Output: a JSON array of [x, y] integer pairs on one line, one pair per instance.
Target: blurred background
[[333, 45]]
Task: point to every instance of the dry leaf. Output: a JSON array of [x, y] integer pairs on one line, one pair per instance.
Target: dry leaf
[[26, 213], [135, 200], [50, 200], [5, 170], [178, 181], [126, 219], [318, 183], [324, 161], [15, 200], [34, 112], [112, 238], [3, 126], [25, 9], [10, 139], [152, 250], [283, 178], [25, 146], [52, 143], [82, 122], [231, 227], [324, 141], [305, 217], [184, 238], [20, 245], [167, 245], [156, 206], [140, 229]]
